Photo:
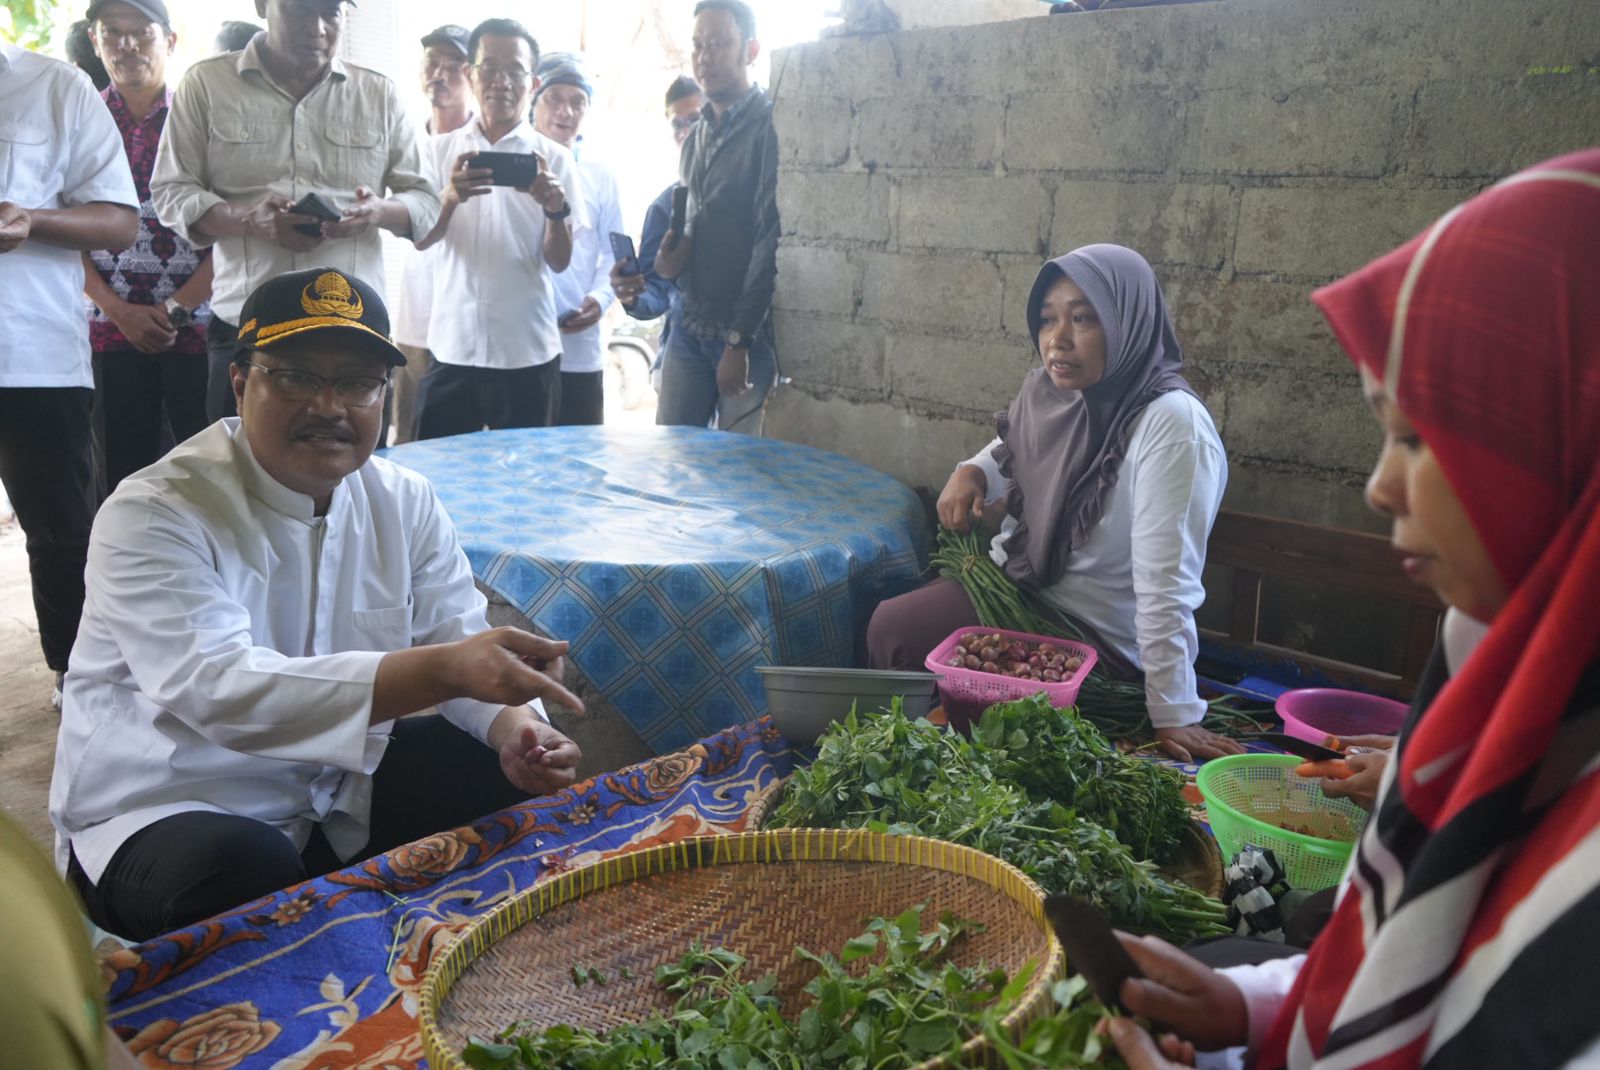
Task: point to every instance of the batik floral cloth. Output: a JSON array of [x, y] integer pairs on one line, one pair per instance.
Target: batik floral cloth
[[326, 975]]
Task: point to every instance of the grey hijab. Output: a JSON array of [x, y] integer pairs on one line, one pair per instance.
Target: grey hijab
[[1061, 449]]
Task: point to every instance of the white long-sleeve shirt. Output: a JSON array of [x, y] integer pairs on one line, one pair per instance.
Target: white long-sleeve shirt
[[230, 640], [589, 274], [1136, 577]]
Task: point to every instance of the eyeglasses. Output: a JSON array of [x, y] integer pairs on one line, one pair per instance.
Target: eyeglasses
[[292, 384], [685, 122], [448, 69], [514, 75]]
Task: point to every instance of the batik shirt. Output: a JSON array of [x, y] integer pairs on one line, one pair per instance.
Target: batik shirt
[[159, 262]]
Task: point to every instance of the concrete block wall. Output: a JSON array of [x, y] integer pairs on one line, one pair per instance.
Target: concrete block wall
[[1251, 149]]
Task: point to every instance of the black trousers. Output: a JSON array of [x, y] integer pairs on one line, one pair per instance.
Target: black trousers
[[457, 400], [583, 398], [222, 342], [47, 466], [137, 396], [191, 866]]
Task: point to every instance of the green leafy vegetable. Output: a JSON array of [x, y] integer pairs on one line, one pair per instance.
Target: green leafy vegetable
[[889, 1001], [888, 773], [1057, 755]]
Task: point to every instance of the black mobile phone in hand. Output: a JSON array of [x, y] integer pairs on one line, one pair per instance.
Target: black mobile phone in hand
[[623, 252], [680, 209], [515, 169], [319, 209]]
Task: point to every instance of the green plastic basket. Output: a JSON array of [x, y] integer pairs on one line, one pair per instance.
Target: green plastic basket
[[1250, 798]]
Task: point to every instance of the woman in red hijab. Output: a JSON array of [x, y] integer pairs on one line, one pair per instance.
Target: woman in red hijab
[[1467, 925]]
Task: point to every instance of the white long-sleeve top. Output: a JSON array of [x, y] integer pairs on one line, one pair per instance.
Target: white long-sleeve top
[[230, 640], [1136, 577], [589, 274]]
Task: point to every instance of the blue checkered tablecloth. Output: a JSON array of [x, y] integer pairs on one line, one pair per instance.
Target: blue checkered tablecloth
[[676, 560]]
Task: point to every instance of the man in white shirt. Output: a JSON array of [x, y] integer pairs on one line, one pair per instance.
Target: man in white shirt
[[583, 291], [264, 607], [65, 188], [444, 80], [493, 329], [251, 133]]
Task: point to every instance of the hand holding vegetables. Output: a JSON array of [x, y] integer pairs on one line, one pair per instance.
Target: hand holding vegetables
[[961, 502], [1360, 783]]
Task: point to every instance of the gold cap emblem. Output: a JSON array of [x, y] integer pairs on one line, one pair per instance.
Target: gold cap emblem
[[331, 294]]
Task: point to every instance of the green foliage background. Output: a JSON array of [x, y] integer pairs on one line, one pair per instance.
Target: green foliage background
[[29, 23]]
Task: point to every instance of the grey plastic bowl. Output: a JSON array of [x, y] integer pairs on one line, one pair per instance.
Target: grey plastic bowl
[[803, 702]]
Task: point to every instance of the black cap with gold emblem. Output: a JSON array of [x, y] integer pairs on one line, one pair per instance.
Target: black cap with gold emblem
[[319, 299]]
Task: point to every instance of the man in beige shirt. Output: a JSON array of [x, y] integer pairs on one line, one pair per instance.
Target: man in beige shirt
[[250, 133]]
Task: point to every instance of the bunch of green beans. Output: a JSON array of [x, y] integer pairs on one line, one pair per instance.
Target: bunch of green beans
[[1116, 707]]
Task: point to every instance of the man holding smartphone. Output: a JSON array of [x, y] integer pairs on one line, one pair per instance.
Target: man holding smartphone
[[643, 294], [512, 203], [251, 133], [721, 359]]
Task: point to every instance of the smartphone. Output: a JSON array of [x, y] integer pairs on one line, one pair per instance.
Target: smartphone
[[566, 317], [624, 252], [680, 209], [319, 209], [517, 169], [1092, 947]]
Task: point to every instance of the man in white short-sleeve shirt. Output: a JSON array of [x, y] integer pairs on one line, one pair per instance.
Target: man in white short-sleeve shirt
[[65, 189], [265, 606], [493, 329]]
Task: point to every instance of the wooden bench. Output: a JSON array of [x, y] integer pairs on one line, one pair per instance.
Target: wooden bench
[[1258, 548]]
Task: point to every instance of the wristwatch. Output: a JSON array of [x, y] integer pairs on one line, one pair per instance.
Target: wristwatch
[[177, 315], [738, 340], [566, 210]]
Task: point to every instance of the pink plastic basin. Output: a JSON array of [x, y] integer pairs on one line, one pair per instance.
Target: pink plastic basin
[[1314, 713]]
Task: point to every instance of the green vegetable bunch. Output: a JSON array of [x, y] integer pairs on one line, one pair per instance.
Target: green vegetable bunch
[[890, 1000], [890, 774], [1057, 755], [1117, 707]]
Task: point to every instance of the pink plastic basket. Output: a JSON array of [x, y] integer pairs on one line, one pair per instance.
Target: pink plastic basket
[[972, 685], [1314, 713]]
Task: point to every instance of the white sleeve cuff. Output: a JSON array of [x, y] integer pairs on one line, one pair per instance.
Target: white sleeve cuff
[[471, 716], [1176, 714], [1264, 987], [996, 486]]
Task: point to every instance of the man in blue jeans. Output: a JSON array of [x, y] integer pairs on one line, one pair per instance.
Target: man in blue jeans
[[720, 358]]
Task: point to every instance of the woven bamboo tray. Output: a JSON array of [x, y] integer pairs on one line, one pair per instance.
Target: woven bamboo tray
[[1199, 864], [760, 894]]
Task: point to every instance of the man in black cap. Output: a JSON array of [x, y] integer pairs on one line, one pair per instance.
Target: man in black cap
[[264, 604], [444, 80], [148, 317]]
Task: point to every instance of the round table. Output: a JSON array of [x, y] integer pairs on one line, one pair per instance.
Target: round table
[[676, 560]]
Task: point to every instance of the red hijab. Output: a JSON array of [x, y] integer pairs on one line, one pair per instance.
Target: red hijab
[[1451, 939]]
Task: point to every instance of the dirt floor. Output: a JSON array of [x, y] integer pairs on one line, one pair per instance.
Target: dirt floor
[[27, 721]]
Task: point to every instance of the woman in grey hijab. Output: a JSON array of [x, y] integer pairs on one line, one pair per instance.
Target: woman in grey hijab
[[1111, 473]]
